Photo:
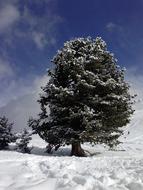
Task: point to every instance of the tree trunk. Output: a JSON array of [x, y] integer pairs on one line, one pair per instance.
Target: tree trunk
[[77, 150]]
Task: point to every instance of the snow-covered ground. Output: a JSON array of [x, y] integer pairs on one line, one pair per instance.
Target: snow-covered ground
[[107, 170]]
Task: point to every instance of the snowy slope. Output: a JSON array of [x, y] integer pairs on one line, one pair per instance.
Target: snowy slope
[[107, 170]]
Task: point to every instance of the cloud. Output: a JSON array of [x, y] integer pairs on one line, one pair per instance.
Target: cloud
[[119, 35], [111, 27], [42, 30], [18, 21], [19, 109], [7, 74], [135, 80], [39, 39], [12, 88], [9, 14], [5, 69]]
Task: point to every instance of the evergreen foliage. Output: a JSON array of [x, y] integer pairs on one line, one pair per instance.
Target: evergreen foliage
[[87, 95], [23, 142], [6, 135]]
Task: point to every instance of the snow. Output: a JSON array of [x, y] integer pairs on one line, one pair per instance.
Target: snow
[[106, 170], [110, 170]]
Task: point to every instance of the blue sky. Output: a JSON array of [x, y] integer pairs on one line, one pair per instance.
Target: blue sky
[[119, 23], [31, 31]]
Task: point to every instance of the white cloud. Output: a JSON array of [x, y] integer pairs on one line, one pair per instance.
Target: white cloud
[[42, 30], [20, 109], [18, 95], [25, 105], [5, 69], [13, 88], [40, 81], [136, 82], [110, 26], [9, 14], [7, 83], [39, 39]]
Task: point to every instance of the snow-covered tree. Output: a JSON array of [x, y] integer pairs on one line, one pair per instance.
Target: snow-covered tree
[[23, 141], [87, 95], [6, 135]]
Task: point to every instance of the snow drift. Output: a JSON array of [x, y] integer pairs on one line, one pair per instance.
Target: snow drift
[[107, 170]]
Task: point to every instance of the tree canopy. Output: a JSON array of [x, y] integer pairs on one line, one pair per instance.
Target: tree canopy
[[88, 98]]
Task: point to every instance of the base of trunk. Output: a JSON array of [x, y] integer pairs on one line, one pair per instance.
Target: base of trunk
[[77, 150]]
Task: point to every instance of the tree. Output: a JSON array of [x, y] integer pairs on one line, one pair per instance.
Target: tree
[[23, 141], [87, 95], [6, 135]]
